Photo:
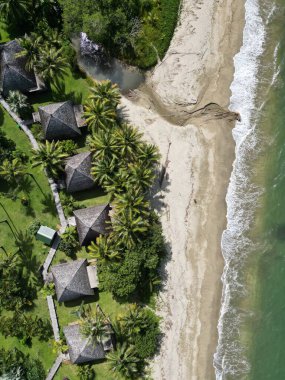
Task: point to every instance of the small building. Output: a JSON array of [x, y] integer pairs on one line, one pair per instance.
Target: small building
[[91, 222], [78, 172], [83, 349], [14, 75], [72, 280], [59, 120], [46, 235]]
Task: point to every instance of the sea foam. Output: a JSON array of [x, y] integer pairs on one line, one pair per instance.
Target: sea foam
[[230, 359]]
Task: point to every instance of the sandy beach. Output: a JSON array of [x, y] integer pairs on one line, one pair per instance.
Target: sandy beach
[[182, 108]]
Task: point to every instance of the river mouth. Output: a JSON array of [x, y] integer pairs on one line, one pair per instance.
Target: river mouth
[[127, 77]]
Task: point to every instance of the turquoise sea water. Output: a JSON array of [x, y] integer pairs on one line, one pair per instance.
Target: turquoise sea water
[[252, 321]]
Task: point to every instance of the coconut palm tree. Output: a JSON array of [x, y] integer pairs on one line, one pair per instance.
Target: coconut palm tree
[[128, 229], [140, 175], [50, 157], [134, 321], [13, 10], [128, 139], [103, 171], [13, 170], [51, 65], [103, 145], [99, 114], [133, 202], [32, 46], [148, 154], [117, 183], [106, 90], [18, 102], [94, 324], [124, 361], [103, 249]]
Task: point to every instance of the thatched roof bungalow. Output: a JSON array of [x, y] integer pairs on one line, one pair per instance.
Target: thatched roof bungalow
[[78, 172], [92, 222], [83, 349], [13, 72], [72, 280], [59, 121]]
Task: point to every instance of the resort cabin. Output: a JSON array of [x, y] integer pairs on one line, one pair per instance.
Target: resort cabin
[[74, 280], [14, 75], [92, 222], [60, 120], [83, 349], [78, 172]]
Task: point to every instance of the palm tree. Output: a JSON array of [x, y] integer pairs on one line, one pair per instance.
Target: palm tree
[[133, 202], [148, 154], [31, 45], [103, 249], [128, 139], [124, 361], [94, 325], [106, 90], [18, 102], [99, 114], [50, 157], [140, 175], [134, 321], [103, 171], [103, 145], [117, 183], [12, 171], [51, 65], [128, 229], [13, 10]]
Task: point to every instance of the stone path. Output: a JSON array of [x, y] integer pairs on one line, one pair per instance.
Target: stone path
[[53, 317], [55, 367]]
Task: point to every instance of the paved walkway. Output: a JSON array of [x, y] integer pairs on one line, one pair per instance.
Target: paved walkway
[[55, 367], [53, 317]]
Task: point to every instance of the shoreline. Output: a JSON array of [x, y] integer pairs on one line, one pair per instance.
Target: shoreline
[[197, 70]]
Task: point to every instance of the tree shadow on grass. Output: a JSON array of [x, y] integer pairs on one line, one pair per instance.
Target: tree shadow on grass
[[24, 242], [48, 203], [87, 300], [60, 94]]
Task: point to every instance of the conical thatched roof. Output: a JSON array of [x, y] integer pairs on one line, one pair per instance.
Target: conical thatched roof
[[58, 121], [82, 349], [78, 172], [92, 222], [13, 74], [71, 280]]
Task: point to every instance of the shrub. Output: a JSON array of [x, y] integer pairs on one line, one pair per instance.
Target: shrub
[[18, 103], [68, 203], [86, 372], [37, 131], [69, 242], [7, 146], [68, 146], [34, 227]]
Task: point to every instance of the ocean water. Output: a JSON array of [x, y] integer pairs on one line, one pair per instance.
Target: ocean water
[[252, 319]]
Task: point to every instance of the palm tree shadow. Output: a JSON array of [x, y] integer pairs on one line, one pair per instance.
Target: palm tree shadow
[[26, 185], [48, 203], [60, 94], [24, 242]]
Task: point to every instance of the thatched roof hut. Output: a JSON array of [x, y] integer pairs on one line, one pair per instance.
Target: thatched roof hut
[[71, 280], [78, 172], [92, 222], [83, 349], [13, 73], [59, 121]]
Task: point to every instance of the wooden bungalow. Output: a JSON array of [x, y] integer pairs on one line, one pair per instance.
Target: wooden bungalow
[[60, 120], [78, 172], [14, 75], [83, 349], [92, 222], [73, 280]]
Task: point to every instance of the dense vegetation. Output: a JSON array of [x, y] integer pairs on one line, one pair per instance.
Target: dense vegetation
[[137, 31], [14, 364]]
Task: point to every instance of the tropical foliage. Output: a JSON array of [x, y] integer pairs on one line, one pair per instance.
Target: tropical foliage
[[69, 241], [50, 157], [14, 365], [18, 103], [136, 30]]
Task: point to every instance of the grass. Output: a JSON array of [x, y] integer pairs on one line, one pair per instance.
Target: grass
[[21, 217]]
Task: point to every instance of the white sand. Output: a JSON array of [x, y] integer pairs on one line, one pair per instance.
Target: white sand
[[196, 71]]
